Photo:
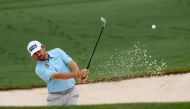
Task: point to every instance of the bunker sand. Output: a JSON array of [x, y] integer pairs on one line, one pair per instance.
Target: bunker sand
[[170, 88]]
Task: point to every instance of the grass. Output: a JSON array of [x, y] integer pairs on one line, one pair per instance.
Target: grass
[[117, 106], [74, 26]]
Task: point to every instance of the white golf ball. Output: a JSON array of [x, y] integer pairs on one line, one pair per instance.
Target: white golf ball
[[153, 26]]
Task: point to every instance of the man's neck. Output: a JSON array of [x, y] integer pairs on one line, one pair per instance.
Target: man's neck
[[46, 57]]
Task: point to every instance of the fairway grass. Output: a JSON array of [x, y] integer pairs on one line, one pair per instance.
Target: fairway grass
[[74, 25], [117, 106]]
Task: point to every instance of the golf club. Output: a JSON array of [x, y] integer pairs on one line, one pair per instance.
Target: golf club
[[103, 20]]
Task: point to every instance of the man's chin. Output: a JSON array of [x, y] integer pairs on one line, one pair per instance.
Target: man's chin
[[41, 59]]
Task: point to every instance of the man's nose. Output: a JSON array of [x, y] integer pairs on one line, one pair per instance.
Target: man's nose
[[37, 54]]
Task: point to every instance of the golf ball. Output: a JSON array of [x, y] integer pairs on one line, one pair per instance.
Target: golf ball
[[153, 26]]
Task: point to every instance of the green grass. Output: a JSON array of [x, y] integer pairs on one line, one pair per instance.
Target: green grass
[[74, 26], [117, 106]]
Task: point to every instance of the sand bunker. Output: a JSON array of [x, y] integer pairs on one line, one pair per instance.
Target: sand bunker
[[173, 88]]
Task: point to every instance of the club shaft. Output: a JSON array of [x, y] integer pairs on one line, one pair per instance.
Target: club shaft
[[95, 48]]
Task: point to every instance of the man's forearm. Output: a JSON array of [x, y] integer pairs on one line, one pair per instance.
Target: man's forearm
[[58, 75], [74, 67]]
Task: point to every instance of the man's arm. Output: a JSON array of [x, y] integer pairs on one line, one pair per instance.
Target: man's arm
[[58, 75], [75, 72], [74, 67]]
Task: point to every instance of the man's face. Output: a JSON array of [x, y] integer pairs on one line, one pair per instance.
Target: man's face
[[40, 55]]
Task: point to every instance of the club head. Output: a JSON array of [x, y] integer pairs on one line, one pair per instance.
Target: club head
[[104, 21]]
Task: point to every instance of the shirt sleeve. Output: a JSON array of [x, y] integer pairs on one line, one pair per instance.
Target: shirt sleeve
[[66, 58], [44, 74]]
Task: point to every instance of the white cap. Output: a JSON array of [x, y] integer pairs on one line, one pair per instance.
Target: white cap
[[33, 47]]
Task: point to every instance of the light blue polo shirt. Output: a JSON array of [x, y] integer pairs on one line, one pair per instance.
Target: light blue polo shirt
[[57, 62]]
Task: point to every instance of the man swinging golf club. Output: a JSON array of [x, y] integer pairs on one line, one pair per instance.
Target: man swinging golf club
[[53, 67]]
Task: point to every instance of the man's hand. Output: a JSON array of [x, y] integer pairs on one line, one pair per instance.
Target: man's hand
[[83, 76], [83, 73]]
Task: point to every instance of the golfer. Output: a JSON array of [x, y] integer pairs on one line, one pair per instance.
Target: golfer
[[54, 68]]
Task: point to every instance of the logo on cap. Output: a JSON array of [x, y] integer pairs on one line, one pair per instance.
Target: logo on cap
[[32, 47]]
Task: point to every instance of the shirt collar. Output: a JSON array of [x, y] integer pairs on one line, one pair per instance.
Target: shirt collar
[[51, 54]]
